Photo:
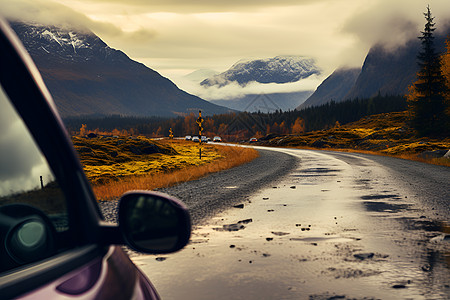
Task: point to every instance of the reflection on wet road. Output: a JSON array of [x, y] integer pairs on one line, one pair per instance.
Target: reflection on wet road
[[332, 229]]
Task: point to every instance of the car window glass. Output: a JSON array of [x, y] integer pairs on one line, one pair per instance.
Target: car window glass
[[33, 211]]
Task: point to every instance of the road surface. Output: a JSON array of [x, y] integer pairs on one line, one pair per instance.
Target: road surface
[[336, 226]]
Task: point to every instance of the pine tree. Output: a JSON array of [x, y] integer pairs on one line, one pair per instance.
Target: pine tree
[[427, 98]]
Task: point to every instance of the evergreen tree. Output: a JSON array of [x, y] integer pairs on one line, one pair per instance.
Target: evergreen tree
[[427, 97]]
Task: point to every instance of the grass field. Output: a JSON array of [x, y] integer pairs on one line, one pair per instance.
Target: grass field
[[383, 134], [115, 165]]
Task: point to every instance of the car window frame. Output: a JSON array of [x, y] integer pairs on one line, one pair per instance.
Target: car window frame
[[21, 81]]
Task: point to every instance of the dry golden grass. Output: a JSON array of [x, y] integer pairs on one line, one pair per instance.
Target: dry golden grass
[[227, 157], [107, 159], [384, 134]]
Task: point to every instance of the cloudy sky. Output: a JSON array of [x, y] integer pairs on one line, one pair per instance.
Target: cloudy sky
[[176, 38]]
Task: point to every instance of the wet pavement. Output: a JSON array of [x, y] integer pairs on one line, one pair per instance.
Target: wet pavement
[[333, 228]]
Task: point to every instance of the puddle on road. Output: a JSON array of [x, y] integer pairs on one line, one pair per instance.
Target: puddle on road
[[319, 170], [379, 197], [303, 243], [321, 239], [385, 207]]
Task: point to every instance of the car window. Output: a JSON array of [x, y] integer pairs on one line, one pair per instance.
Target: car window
[[33, 210]]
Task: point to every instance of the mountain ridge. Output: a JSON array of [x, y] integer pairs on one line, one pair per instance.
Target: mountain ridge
[[335, 87], [85, 76], [386, 72]]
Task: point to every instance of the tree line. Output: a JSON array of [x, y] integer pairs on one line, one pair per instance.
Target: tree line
[[243, 125]]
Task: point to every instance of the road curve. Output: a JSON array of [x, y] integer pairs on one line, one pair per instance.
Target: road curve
[[335, 226], [207, 196], [428, 184]]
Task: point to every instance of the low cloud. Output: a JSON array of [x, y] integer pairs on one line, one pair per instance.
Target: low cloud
[[234, 90], [175, 36], [394, 23], [47, 12], [21, 163]]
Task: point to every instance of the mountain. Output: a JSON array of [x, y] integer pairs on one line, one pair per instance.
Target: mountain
[[265, 103], [280, 69], [87, 77], [384, 72], [335, 87]]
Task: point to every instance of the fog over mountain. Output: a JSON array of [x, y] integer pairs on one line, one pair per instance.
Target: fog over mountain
[[385, 71], [286, 80]]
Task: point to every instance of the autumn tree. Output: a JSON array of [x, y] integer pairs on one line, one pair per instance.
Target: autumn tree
[[427, 96], [83, 130], [298, 126]]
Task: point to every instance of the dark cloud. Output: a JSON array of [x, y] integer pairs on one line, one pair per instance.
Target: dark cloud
[[392, 24], [21, 163], [50, 13]]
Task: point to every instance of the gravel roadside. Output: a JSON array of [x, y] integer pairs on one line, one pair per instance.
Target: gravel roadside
[[216, 192]]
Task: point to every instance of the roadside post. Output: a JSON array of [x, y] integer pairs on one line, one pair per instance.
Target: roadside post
[[200, 129], [171, 134]]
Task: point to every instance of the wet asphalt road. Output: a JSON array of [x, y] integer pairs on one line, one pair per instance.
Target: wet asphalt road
[[220, 191], [325, 225]]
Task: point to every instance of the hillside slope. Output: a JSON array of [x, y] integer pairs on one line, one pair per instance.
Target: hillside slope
[[386, 133], [335, 87], [87, 77], [385, 72]]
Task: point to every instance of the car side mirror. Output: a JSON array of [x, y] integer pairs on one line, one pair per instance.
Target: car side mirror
[[153, 222]]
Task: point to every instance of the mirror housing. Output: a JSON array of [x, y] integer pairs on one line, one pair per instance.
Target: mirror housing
[[153, 222]]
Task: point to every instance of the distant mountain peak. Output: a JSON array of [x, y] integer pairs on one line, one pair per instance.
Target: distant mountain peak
[[64, 43], [279, 69]]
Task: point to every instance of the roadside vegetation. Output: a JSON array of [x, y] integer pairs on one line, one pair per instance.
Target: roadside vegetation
[[382, 134], [116, 164]]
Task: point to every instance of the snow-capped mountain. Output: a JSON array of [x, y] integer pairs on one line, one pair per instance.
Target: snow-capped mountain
[[85, 76], [67, 44], [280, 69]]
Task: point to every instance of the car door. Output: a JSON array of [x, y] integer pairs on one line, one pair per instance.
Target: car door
[[50, 245]]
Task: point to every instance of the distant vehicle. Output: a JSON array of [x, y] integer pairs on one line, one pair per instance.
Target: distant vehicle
[[253, 140], [195, 139], [54, 243], [204, 139], [217, 139], [188, 138]]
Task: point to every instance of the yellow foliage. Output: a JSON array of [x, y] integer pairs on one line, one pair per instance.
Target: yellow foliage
[[298, 126], [83, 130], [386, 134], [217, 158]]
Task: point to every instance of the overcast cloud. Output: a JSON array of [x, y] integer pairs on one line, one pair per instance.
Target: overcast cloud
[[176, 37], [21, 163]]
